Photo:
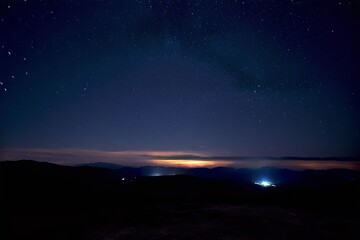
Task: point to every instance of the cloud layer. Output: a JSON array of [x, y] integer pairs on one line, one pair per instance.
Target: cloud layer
[[72, 156]]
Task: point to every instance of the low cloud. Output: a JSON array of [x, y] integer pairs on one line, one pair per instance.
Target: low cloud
[[72, 156]]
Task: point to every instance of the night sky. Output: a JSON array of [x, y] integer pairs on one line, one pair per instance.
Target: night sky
[[201, 82]]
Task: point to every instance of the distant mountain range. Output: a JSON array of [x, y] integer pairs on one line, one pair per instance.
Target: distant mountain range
[[281, 177], [245, 175], [101, 165]]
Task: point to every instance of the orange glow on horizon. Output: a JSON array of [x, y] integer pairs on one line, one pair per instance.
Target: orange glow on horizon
[[191, 163], [72, 156]]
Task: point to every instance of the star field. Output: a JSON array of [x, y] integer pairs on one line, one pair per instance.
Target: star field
[[243, 78]]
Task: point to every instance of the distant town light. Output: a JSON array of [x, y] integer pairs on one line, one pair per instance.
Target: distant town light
[[265, 184]]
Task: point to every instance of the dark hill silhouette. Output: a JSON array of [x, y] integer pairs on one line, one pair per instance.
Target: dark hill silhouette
[[101, 165], [41, 200], [245, 176]]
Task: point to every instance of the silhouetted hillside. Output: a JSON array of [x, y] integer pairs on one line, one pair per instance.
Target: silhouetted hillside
[[41, 200]]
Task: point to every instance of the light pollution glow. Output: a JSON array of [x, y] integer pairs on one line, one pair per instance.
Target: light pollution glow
[[189, 159], [188, 163]]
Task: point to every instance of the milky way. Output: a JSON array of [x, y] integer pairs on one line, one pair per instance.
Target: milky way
[[243, 78]]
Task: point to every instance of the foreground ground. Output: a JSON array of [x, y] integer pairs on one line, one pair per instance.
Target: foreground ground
[[46, 201], [231, 222]]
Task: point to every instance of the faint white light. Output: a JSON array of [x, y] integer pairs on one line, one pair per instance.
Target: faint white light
[[155, 174], [123, 179], [265, 184]]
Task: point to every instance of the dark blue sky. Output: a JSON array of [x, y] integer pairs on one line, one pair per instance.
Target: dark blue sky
[[240, 78]]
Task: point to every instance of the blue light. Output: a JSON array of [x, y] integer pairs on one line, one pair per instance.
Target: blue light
[[265, 183]]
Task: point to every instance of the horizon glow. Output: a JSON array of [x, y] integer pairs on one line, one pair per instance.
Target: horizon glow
[[72, 156]]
